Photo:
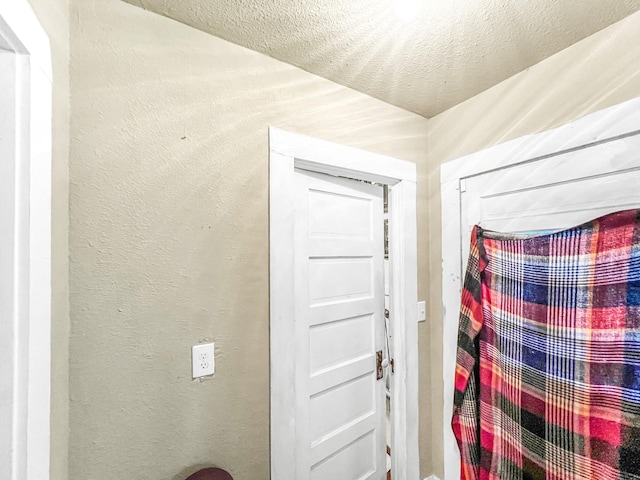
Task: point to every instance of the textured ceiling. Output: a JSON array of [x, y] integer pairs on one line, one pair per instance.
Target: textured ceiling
[[451, 51]]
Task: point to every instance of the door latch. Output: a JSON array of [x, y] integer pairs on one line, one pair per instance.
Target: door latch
[[381, 365], [379, 373]]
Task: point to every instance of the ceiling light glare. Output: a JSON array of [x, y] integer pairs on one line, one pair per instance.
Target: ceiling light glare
[[406, 9]]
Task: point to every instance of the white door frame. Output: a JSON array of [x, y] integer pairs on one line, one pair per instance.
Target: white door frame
[[606, 125], [25, 242], [287, 152]]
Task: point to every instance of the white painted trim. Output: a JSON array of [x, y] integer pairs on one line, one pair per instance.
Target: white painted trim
[[606, 125], [619, 120], [287, 152], [336, 159], [23, 34], [28, 149]]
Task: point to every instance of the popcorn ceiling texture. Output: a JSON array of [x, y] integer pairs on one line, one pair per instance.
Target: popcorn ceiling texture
[[453, 49]]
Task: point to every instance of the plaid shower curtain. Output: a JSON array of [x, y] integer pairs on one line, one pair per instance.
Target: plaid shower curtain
[[547, 381]]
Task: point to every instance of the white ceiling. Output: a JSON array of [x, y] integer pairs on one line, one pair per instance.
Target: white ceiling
[[451, 51]]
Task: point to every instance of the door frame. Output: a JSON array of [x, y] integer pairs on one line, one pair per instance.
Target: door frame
[[25, 276], [607, 125], [288, 151]]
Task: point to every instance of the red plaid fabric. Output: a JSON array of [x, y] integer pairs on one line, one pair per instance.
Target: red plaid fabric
[[547, 381]]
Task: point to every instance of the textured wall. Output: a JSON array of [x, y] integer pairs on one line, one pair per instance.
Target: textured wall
[[596, 73], [54, 18], [169, 235]]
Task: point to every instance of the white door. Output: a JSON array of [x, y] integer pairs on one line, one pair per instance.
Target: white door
[[291, 376], [553, 193], [339, 305], [526, 186]]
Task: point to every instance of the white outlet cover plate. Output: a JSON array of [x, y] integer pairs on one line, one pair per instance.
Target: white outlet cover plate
[[203, 360]]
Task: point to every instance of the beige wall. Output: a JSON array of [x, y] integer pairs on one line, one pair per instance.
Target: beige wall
[[169, 231], [168, 234], [596, 73], [54, 18]]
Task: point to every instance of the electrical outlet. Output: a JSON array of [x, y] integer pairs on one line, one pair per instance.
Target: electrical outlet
[[203, 362]]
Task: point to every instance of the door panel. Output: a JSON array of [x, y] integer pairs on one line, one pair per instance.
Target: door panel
[[337, 406], [553, 193], [339, 279], [339, 304], [355, 460], [339, 215], [341, 341]]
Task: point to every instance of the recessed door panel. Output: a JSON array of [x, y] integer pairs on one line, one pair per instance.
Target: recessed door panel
[[356, 461], [340, 341], [340, 279], [341, 405], [339, 215]]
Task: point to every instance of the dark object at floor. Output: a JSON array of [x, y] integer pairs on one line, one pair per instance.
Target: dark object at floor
[[210, 474]]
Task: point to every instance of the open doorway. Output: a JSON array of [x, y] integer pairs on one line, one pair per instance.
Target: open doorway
[[314, 179], [25, 243]]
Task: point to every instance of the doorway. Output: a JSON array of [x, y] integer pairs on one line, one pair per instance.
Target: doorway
[[25, 243], [553, 180], [326, 255]]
